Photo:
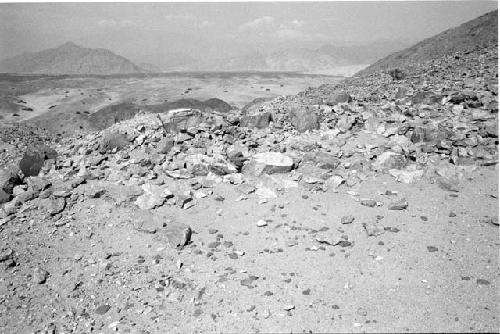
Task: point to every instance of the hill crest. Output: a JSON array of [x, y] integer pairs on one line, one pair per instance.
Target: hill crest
[[69, 58]]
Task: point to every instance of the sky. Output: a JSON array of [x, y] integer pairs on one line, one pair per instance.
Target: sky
[[150, 32]]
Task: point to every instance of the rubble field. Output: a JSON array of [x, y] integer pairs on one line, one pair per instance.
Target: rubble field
[[365, 205]]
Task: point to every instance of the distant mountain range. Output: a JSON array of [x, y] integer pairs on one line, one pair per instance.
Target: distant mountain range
[[477, 33], [69, 58], [327, 58]]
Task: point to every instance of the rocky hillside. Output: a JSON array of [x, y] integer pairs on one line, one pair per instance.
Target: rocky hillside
[[69, 58], [381, 192], [477, 33]]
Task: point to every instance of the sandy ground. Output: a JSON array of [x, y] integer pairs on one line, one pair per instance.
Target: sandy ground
[[434, 268]]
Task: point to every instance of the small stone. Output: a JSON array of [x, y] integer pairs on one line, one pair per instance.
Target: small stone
[[261, 223], [424, 218], [248, 281], [266, 314], [6, 255], [346, 219], [306, 292], [103, 309], [493, 221], [213, 244], [265, 193], [178, 235], [362, 312], [289, 307], [368, 202], [432, 249], [402, 204], [448, 185], [373, 230], [481, 281], [452, 214], [246, 188], [40, 275]]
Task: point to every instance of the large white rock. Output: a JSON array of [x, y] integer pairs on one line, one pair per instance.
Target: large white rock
[[154, 196], [269, 163]]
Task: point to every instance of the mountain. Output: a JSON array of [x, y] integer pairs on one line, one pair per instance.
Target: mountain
[[331, 59], [477, 33], [69, 58], [366, 53]]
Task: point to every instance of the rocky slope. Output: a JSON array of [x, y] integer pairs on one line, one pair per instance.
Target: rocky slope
[[478, 33], [370, 205], [69, 58]]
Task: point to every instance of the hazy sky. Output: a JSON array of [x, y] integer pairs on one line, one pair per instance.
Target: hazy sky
[[153, 30]]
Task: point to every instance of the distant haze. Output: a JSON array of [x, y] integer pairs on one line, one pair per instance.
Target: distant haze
[[175, 34]]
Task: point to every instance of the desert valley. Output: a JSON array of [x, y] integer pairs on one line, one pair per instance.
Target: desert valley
[[326, 190]]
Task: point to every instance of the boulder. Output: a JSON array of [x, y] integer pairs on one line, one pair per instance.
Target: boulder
[[323, 160], [178, 235], [389, 160], [8, 180], [338, 97], [111, 141], [237, 159], [34, 158], [259, 121], [407, 176], [269, 163], [154, 196], [165, 145], [182, 119], [304, 119]]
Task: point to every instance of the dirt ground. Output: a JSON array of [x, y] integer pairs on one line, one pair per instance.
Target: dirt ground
[[433, 268]]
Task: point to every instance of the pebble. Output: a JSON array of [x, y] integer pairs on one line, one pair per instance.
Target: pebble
[[6, 255], [102, 309], [482, 281], [40, 275], [362, 312], [432, 249], [368, 202], [261, 223], [346, 219], [402, 204]]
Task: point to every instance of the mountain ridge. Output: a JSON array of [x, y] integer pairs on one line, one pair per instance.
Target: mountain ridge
[[69, 58]]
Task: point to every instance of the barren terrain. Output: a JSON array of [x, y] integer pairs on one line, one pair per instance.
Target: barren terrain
[[363, 205]]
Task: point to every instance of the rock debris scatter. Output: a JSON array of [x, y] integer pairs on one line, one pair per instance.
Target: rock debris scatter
[[368, 205]]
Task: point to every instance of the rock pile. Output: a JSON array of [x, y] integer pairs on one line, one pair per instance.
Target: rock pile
[[435, 123]]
